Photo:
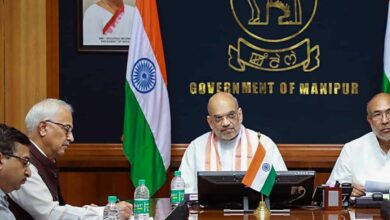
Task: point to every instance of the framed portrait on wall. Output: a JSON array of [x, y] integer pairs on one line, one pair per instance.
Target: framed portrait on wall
[[105, 25]]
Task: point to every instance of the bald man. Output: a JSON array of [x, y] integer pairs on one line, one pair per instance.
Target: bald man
[[367, 158], [229, 146]]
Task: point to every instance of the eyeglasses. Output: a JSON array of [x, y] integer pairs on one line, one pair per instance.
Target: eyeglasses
[[26, 161], [378, 115], [230, 116], [68, 129]]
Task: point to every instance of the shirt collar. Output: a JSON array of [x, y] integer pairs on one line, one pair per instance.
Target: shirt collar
[[2, 194], [378, 148], [36, 146], [3, 198]]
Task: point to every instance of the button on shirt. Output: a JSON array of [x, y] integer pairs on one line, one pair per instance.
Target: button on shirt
[[5, 213], [360, 160]]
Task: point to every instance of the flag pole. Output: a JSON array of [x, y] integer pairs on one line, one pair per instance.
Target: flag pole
[[262, 212]]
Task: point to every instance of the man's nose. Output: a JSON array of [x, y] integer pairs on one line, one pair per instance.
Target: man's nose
[[225, 121], [70, 137]]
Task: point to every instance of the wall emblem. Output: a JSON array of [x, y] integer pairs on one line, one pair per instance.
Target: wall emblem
[[274, 28]]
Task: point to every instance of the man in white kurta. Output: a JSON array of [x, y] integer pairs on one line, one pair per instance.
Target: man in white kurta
[[228, 147], [360, 160], [368, 157]]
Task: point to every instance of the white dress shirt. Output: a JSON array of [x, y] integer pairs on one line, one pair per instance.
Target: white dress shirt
[[5, 213]]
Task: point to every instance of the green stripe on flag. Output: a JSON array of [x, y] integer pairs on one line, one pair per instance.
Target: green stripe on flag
[[140, 147], [385, 84], [269, 183]]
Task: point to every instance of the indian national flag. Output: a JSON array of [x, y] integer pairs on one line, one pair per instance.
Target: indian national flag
[[386, 58], [147, 122], [260, 175]]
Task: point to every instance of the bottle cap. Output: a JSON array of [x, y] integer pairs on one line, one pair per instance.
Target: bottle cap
[[112, 199], [141, 182], [177, 173]]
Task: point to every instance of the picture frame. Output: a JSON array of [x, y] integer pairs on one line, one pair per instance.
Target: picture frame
[[103, 27]]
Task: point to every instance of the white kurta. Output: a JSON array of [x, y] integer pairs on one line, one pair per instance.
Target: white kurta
[[360, 160], [194, 157], [35, 198], [96, 17], [5, 213]]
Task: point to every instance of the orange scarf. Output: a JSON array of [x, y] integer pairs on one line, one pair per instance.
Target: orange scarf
[[243, 147]]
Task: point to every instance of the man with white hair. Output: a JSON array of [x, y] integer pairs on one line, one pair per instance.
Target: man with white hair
[[49, 125]]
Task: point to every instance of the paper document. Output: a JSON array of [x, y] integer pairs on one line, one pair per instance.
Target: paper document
[[375, 186]]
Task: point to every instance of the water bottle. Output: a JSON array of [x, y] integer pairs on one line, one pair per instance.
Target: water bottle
[[111, 211], [141, 201], [177, 190]]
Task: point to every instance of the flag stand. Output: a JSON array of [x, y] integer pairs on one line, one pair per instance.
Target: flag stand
[[262, 212]]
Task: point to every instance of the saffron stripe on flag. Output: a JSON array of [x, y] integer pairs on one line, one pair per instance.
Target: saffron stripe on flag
[[148, 10], [254, 167]]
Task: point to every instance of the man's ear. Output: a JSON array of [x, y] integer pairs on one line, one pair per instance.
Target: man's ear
[[240, 115], [2, 157], [42, 129], [209, 121], [369, 119]]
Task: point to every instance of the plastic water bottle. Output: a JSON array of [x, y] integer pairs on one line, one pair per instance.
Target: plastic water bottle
[[177, 190], [141, 201], [111, 211]]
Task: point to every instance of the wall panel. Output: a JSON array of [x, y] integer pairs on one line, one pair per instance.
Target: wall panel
[[24, 57], [52, 48]]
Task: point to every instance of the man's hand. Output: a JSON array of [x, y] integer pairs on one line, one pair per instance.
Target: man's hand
[[358, 190], [125, 210]]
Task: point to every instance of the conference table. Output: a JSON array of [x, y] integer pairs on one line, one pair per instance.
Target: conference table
[[293, 214], [160, 209]]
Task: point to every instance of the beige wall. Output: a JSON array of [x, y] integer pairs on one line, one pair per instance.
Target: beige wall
[[24, 57]]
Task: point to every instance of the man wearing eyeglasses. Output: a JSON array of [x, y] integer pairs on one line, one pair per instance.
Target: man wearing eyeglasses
[[14, 165], [49, 125], [228, 147], [367, 158]]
